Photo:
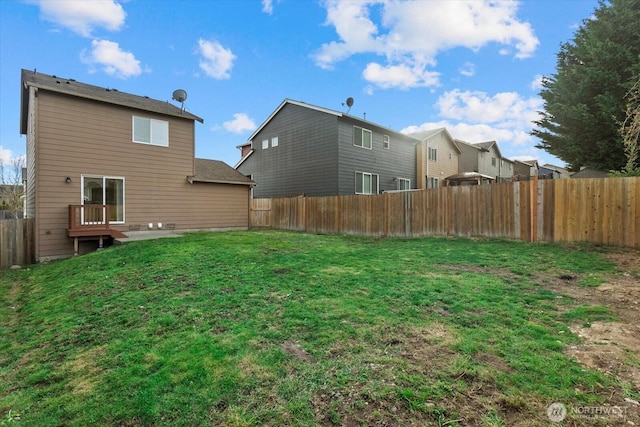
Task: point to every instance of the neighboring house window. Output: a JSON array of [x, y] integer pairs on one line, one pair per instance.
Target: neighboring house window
[[432, 182], [450, 156], [385, 141], [104, 190], [433, 154], [274, 141], [150, 131], [361, 137], [265, 144], [366, 183], [493, 161], [404, 184]]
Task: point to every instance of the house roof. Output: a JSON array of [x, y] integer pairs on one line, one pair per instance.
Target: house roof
[[423, 135], [587, 172], [82, 90], [218, 172], [320, 109]]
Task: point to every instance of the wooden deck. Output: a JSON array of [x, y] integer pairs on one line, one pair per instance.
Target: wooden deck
[[90, 222]]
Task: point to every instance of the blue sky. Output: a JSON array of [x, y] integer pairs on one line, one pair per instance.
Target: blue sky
[[473, 66]]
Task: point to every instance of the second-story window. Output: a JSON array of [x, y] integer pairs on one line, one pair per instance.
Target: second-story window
[[361, 137], [150, 131], [493, 161], [385, 141], [265, 144], [274, 141], [433, 154]]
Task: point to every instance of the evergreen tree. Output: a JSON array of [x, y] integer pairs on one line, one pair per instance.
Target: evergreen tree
[[585, 98]]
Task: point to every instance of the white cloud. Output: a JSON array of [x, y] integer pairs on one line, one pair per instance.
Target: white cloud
[[479, 107], [267, 6], [477, 116], [536, 84], [216, 60], [410, 34], [113, 60], [240, 123], [468, 69], [402, 76], [83, 16]]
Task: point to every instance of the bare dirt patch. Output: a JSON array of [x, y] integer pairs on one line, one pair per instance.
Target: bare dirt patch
[[611, 347]]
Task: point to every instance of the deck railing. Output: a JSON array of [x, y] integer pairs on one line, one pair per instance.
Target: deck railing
[[88, 216]]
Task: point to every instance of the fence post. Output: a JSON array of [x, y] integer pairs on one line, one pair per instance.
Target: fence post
[[533, 209]]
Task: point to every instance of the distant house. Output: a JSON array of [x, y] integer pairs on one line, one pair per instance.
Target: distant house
[[305, 149], [485, 158], [525, 169], [103, 164], [548, 171], [437, 157], [587, 172]]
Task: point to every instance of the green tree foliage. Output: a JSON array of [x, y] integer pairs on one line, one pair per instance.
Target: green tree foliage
[[585, 98]]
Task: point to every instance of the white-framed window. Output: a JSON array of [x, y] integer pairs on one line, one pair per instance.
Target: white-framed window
[[274, 141], [404, 184], [432, 154], [104, 190], [366, 183], [361, 137], [493, 161], [265, 144], [433, 182], [385, 141], [150, 131]]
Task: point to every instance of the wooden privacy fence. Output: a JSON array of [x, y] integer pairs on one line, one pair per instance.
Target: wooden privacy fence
[[603, 210], [16, 242]]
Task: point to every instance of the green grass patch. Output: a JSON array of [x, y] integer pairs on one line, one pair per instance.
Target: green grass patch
[[272, 328]]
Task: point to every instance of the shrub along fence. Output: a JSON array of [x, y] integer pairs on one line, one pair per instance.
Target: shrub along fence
[[16, 242], [602, 210]]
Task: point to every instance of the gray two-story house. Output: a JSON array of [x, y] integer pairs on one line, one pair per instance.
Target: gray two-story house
[[303, 149], [485, 158]]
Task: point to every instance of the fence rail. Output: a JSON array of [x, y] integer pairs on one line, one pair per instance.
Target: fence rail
[[16, 242], [598, 210]]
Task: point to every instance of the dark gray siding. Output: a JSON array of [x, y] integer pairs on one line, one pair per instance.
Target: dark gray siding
[[305, 160], [399, 161]]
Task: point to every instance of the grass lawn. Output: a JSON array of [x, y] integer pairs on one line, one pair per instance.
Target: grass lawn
[[265, 328]]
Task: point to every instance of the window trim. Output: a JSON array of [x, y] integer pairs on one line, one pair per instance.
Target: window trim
[[362, 132], [151, 121], [371, 176], [403, 180], [104, 186]]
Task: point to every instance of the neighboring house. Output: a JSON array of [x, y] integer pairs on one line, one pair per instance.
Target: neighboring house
[[110, 163], [305, 149], [587, 172], [525, 169], [548, 171], [437, 157], [485, 158]]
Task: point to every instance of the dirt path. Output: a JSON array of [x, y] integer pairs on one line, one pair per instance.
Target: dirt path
[[611, 347]]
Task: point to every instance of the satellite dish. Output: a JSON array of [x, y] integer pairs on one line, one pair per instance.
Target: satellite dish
[[179, 95], [349, 103]]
